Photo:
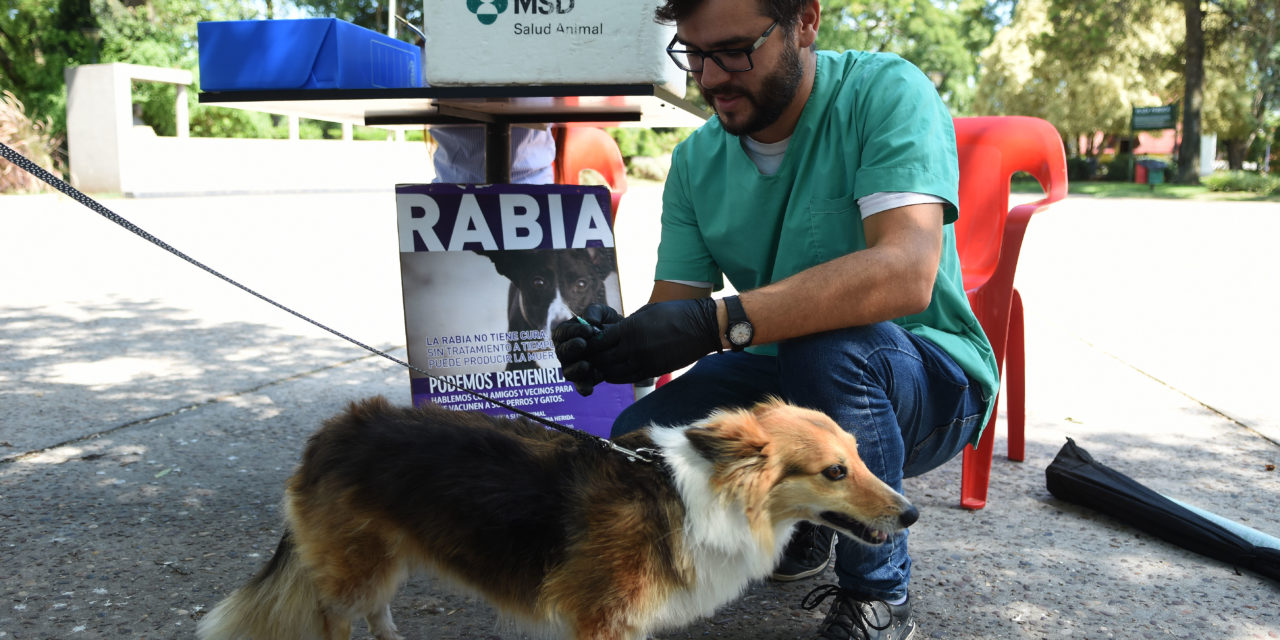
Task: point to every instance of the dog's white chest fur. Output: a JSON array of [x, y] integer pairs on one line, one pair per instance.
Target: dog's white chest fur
[[725, 551]]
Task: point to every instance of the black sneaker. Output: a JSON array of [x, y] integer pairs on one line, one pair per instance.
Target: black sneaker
[[807, 554], [853, 619]]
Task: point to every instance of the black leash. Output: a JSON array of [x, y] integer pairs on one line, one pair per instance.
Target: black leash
[[57, 183]]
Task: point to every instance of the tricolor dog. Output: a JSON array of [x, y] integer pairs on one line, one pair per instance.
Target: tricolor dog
[[563, 537]]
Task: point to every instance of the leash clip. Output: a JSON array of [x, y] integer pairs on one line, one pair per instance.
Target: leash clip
[[642, 455], [650, 455]]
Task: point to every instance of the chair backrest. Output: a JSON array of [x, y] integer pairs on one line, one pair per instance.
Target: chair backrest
[[991, 149], [582, 148]]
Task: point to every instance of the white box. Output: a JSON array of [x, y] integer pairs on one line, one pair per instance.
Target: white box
[[496, 42]]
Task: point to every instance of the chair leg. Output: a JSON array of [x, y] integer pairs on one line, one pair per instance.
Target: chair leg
[[976, 468], [1015, 360]]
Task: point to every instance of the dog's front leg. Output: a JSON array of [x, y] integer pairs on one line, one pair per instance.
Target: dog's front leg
[[602, 630], [381, 625], [337, 626]]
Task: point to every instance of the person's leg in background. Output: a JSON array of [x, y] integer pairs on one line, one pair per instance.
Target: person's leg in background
[[459, 154], [721, 380]]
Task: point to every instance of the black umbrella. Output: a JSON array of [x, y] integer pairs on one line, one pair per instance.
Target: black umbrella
[[1074, 476]]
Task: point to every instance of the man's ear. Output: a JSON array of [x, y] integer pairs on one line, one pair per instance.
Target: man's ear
[[807, 28]]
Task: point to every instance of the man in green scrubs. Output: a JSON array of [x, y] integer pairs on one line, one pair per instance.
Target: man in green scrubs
[[824, 189]]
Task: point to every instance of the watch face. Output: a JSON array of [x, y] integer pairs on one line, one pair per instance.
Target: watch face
[[740, 333]]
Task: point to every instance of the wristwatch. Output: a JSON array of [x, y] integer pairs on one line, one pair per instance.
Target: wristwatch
[[739, 332]]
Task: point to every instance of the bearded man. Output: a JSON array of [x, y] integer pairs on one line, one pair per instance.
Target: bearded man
[[825, 190]]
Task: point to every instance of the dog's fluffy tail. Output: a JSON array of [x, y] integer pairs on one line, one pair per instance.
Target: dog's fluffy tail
[[280, 603]]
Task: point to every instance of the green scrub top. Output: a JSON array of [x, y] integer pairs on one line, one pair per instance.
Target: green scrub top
[[873, 123]]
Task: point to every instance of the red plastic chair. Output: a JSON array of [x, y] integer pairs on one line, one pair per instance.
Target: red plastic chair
[[582, 148], [989, 238]]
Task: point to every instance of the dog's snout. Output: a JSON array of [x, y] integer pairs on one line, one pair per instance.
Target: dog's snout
[[909, 516]]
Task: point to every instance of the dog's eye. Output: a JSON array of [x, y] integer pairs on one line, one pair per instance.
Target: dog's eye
[[835, 472], [581, 283], [539, 281]]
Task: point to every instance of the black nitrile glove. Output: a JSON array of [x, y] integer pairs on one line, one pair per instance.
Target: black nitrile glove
[[657, 339], [574, 340]]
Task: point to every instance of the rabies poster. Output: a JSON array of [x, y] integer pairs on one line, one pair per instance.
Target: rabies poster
[[487, 271]]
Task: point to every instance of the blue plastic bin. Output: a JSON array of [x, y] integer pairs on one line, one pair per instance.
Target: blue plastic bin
[[309, 53]]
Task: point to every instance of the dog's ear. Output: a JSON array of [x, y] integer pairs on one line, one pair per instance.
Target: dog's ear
[[495, 257], [506, 262], [741, 456], [602, 260], [728, 436]]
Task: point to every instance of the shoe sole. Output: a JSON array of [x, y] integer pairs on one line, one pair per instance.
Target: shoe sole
[[911, 631], [783, 577]]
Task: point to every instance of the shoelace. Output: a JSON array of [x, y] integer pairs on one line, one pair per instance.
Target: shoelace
[[846, 607]]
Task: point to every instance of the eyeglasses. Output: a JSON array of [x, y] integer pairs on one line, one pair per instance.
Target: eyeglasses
[[731, 60]]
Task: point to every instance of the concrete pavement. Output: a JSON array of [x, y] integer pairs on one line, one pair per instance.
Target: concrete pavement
[[151, 414]]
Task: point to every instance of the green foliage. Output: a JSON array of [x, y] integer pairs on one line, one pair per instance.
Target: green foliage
[[1242, 74], [1081, 168], [370, 14], [1119, 169], [632, 142], [1074, 65], [1082, 64], [1261, 184], [162, 33], [636, 141], [944, 39], [221, 122], [38, 39]]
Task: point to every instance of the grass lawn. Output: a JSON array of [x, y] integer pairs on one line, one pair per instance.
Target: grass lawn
[[1131, 190]]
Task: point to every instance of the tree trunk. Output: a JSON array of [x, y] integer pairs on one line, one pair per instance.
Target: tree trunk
[[1236, 150], [1189, 149]]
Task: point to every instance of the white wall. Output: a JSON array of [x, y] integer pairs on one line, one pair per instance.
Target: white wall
[[109, 155], [1208, 152], [155, 165]]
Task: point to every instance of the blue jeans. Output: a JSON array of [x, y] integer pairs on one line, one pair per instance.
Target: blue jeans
[[911, 407]]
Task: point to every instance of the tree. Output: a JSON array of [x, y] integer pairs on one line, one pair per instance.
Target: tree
[[370, 14], [1242, 75], [1090, 27], [943, 38], [1076, 71], [38, 39], [1193, 101], [1224, 56]]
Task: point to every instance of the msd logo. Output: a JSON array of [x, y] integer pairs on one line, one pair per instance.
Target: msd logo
[[544, 7], [487, 11]]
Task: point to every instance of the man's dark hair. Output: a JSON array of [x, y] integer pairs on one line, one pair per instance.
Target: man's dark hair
[[786, 12]]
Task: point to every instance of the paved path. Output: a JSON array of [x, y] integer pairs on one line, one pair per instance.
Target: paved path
[[151, 414]]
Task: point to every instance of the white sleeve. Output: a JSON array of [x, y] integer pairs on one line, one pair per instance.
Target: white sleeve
[[885, 200], [691, 283]]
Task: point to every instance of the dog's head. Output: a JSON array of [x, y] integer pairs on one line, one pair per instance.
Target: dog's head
[[784, 463], [550, 286]]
